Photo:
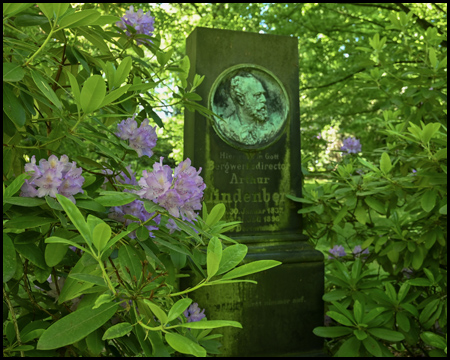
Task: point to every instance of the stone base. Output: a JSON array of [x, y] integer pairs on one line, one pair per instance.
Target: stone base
[[280, 312]]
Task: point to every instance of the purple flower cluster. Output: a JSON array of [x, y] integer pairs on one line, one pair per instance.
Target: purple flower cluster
[[351, 145], [179, 193], [135, 208], [357, 251], [193, 313], [337, 251], [142, 138], [143, 23], [52, 177]]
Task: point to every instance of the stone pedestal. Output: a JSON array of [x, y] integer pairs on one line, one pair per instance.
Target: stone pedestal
[[279, 313], [250, 159]]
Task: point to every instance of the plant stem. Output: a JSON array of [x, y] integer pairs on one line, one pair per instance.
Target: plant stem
[[105, 275], [199, 285], [13, 315], [41, 48]]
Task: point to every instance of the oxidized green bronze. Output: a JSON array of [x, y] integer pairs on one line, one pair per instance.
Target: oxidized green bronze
[[253, 107]]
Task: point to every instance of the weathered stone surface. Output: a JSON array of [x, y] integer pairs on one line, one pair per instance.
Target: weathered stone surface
[[250, 178], [250, 159]]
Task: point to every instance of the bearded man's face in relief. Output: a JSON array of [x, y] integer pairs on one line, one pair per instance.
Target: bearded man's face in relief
[[254, 100]]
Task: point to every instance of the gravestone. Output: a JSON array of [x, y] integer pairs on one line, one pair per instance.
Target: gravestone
[[250, 160]]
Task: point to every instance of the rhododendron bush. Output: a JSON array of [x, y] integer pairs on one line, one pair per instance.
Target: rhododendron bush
[[93, 244]]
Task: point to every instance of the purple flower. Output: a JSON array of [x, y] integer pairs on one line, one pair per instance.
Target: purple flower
[[357, 251], [407, 272], [337, 251], [135, 208], [351, 145], [143, 23], [127, 128], [193, 313], [142, 139], [52, 177], [179, 193]]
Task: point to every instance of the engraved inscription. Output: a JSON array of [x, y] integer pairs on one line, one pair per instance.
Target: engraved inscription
[[251, 190]]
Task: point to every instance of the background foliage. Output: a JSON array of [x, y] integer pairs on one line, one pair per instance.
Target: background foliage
[[377, 72]]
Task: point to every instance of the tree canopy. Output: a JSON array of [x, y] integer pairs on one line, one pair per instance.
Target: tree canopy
[[356, 60]]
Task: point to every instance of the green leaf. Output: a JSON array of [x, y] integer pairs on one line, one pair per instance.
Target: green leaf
[[45, 88], [47, 9], [428, 131], [24, 201], [211, 324], [89, 278], [349, 348], [231, 257], [75, 326], [428, 200], [28, 222], [90, 205], [335, 295], [12, 72], [375, 204], [251, 268], [385, 163], [10, 9], [74, 86], [356, 269], [73, 288], [32, 253], [403, 291], [428, 311], [159, 313], [12, 106], [118, 199], [213, 256], [386, 334], [30, 20], [101, 236], [418, 258], [80, 18], [15, 185], [76, 217], [433, 339], [358, 311], [54, 253], [332, 332], [341, 214], [360, 335], [178, 308], [403, 321], [117, 331], [215, 215], [128, 259], [184, 345], [58, 240], [164, 57], [339, 318], [372, 315], [116, 238], [9, 258], [361, 215], [92, 93], [114, 95], [372, 346], [122, 72]]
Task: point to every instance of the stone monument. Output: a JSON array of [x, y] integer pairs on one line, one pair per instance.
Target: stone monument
[[250, 156]]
